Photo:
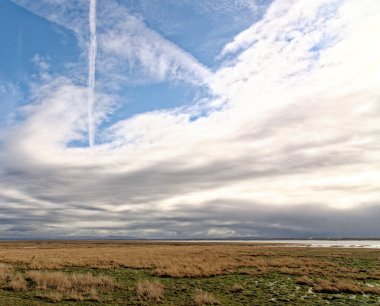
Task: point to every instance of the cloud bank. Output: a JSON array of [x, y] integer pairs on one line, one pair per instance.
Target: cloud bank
[[286, 142]]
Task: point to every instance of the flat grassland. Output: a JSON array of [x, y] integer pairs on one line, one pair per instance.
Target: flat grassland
[[168, 273]]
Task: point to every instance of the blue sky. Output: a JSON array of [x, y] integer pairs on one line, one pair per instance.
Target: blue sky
[[28, 35], [209, 118]]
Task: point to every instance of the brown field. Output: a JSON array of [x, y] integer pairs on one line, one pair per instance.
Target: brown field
[[87, 270]]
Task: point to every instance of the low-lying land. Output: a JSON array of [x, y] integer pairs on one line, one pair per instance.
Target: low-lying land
[[151, 273]]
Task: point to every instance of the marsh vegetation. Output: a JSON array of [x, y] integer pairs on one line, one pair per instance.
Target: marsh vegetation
[[144, 273]]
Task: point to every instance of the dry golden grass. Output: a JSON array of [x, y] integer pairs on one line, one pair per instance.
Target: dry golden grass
[[93, 295], [204, 298], [57, 296], [6, 272], [192, 268], [56, 286], [304, 280], [236, 288], [179, 260], [49, 280], [10, 279], [17, 282], [51, 296], [63, 281], [335, 285], [150, 291]]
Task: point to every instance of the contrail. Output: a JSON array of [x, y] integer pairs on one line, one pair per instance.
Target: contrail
[[91, 73]]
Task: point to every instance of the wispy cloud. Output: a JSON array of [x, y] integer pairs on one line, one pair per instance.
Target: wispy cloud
[[10, 94], [145, 52]]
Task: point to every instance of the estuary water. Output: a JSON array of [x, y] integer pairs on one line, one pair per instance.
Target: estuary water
[[372, 244]]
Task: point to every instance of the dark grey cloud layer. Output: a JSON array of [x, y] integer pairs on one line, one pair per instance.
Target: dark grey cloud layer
[[214, 219]]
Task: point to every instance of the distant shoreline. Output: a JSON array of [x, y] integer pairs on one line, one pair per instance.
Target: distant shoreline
[[314, 243], [238, 239]]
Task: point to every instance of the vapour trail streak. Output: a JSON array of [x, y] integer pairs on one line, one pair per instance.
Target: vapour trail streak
[[91, 73]]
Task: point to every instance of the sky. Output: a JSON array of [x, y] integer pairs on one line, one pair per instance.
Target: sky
[[189, 119]]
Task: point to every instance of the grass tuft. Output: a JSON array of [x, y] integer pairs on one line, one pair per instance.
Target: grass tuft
[[204, 298], [236, 288], [17, 282], [51, 296], [63, 281], [304, 280], [150, 291]]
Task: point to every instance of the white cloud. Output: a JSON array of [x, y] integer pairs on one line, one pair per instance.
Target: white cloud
[[141, 48], [303, 17], [10, 94]]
